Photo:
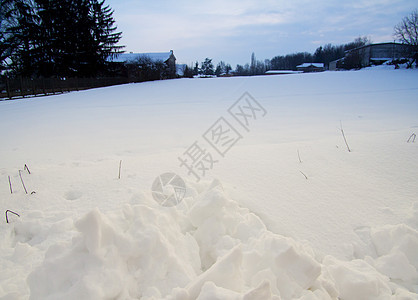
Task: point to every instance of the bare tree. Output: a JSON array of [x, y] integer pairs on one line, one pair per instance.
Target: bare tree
[[407, 33]]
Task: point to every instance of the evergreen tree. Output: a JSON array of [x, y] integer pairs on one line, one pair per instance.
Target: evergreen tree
[[220, 68], [188, 72], [18, 27], [104, 34], [78, 36], [319, 54], [5, 7], [207, 67], [196, 69], [57, 38], [228, 69]]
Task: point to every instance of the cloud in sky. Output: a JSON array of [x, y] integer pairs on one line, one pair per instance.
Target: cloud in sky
[[231, 30]]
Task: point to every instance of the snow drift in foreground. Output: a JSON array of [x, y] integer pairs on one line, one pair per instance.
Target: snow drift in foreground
[[214, 249]]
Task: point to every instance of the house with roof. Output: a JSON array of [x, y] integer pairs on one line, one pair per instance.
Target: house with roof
[[166, 58], [311, 67]]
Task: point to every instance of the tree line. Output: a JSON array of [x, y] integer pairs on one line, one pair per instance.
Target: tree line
[[145, 68], [49, 38], [406, 32], [77, 38], [323, 54]]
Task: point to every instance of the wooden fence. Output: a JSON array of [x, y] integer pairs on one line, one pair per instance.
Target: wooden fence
[[28, 87]]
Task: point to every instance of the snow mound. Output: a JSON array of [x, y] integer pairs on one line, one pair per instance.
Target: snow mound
[[211, 248], [133, 253], [397, 247]]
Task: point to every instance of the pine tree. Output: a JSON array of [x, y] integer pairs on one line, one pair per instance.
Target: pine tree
[[5, 7], [220, 68], [104, 32], [57, 38], [81, 35], [18, 26], [207, 67], [196, 69]]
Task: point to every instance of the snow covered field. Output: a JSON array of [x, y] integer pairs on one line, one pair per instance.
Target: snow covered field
[[253, 228]]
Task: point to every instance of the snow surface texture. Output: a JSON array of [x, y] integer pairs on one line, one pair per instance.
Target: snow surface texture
[[259, 231]]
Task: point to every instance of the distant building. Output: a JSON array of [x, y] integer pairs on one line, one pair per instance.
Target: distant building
[[333, 64], [165, 57], [373, 54], [281, 72], [311, 67]]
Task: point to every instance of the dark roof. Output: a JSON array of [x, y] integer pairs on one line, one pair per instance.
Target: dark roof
[[377, 44]]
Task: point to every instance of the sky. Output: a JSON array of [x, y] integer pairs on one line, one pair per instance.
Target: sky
[[231, 30]]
